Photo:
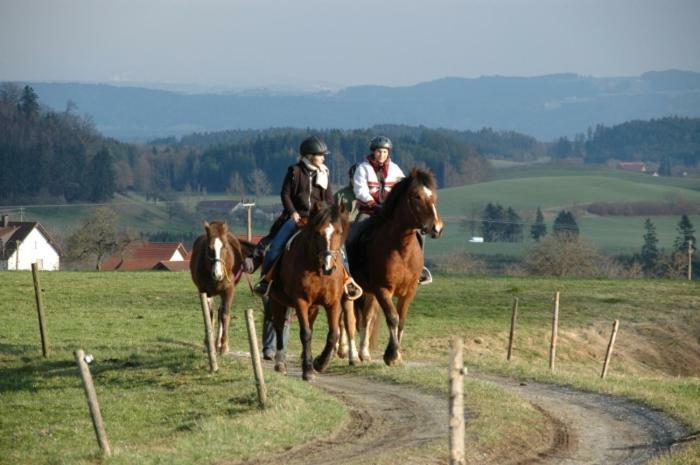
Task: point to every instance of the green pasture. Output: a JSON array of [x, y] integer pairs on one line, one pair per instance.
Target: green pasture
[[161, 405]]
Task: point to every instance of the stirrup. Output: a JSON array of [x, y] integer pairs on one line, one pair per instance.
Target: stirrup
[[425, 276], [262, 291], [352, 295]]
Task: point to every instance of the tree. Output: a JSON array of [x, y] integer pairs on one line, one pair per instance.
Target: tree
[[686, 235], [559, 255], [513, 227], [101, 176], [538, 229], [665, 166], [258, 183], [650, 253], [565, 225], [29, 103], [491, 222], [95, 238], [236, 186]]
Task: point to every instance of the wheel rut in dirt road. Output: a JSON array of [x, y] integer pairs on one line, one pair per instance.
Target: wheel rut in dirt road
[[591, 429], [384, 419], [390, 423]]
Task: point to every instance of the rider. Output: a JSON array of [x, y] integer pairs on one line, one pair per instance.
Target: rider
[[307, 183], [372, 183]]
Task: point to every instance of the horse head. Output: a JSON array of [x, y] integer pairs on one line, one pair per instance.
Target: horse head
[[218, 254], [419, 191], [330, 226]]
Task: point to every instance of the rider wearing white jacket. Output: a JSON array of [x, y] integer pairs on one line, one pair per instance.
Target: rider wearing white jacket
[[372, 182]]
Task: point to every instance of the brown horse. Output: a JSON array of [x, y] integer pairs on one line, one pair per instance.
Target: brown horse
[[216, 267], [387, 262], [310, 274]]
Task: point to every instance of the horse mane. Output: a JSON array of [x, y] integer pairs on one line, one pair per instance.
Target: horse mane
[[329, 213], [416, 178]]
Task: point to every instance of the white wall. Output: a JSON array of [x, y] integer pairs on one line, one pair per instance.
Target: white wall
[[34, 248]]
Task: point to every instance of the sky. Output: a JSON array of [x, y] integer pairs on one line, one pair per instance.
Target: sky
[[315, 44]]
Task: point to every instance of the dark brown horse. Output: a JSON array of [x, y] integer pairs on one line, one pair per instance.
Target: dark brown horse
[[387, 262], [216, 266], [308, 275]]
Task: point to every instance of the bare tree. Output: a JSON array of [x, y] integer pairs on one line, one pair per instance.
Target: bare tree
[[258, 183], [236, 186], [97, 237]]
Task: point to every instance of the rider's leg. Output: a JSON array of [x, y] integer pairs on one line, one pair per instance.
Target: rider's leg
[[275, 250]]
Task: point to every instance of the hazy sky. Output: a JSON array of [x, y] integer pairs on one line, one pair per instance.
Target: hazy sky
[[338, 43]]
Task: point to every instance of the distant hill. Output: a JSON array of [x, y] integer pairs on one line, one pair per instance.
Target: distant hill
[[546, 107]]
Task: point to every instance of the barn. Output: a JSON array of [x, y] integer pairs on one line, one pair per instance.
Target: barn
[[170, 256], [25, 242]]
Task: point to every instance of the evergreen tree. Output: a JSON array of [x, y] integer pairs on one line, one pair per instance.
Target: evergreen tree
[[29, 103], [513, 227], [538, 229], [565, 225], [665, 166], [101, 176], [650, 253], [489, 223], [686, 234]]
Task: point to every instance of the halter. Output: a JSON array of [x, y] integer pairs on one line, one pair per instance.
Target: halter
[[213, 260]]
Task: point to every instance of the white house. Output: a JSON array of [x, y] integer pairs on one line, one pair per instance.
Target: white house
[[23, 243]]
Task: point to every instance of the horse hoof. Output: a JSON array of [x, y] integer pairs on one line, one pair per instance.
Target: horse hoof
[[309, 375], [352, 362], [341, 353], [319, 365], [392, 360], [281, 367], [365, 357]]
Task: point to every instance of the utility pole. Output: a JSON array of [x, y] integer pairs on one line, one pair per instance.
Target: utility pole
[[690, 260], [249, 207]]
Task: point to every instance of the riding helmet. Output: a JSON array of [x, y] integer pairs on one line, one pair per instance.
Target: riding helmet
[[380, 142], [313, 146]]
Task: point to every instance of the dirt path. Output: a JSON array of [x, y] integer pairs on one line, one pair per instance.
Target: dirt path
[[389, 423]]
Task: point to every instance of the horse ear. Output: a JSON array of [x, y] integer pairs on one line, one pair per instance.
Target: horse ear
[[206, 226], [341, 208], [224, 229], [414, 172]]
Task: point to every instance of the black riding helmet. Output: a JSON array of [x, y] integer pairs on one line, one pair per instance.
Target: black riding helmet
[[380, 142], [313, 146]]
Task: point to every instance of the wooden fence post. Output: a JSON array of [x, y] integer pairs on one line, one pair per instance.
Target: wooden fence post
[[255, 358], [513, 318], [208, 336], [456, 425], [40, 310], [93, 405], [690, 260], [608, 353], [555, 324]]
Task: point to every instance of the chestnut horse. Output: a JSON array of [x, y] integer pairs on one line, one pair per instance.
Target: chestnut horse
[[386, 262], [310, 274], [216, 267]]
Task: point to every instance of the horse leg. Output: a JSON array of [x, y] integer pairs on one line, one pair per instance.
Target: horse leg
[[225, 319], [210, 303], [278, 313], [305, 337], [402, 305], [333, 314], [367, 318], [341, 347], [392, 355], [349, 322]]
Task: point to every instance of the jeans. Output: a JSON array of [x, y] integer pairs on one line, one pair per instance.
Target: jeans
[[269, 338], [277, 244]]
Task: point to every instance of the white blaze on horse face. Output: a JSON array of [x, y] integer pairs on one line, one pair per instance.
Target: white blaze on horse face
[[218, 268], [428, 192], [328, 260], [438, 221]]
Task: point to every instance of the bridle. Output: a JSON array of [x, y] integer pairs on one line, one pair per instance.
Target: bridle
[[423, 228], [213, 260]]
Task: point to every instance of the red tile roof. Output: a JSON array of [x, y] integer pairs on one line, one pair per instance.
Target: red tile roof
[[144, 257]]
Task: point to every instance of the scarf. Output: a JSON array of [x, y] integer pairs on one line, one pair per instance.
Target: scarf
[[321, 172], [377, 168]]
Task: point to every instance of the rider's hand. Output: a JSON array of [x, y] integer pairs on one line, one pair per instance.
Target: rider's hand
[[296, 217]]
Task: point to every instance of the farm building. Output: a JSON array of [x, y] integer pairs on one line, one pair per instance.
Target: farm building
[[171, 256], [25, 242], [633, 166]]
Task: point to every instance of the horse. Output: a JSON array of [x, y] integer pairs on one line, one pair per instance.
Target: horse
[[310, 274], [386, 262], [216, 266]]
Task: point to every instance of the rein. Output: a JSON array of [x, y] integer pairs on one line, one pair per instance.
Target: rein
[[213, 260]]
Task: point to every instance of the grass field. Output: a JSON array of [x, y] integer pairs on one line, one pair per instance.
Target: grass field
[[160, 404]]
